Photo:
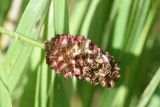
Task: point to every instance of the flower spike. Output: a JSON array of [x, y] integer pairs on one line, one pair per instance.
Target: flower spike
[[79, 57]]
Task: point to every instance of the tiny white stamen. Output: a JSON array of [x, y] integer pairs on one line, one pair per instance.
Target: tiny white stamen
[[87, 43], [105, 58], [64, 42], [88, 51], [73, 61], [60, 58]]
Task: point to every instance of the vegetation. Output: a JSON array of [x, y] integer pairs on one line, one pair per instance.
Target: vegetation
[[128, 29]]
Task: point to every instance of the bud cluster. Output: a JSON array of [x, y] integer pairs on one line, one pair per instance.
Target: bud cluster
[[79, 57]]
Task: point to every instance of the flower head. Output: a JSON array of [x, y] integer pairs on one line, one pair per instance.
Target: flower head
[[79, 57]]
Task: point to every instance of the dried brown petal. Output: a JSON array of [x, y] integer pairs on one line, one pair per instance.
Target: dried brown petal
[[79, 57]]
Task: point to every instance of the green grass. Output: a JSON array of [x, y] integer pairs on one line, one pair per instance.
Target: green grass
[[128, 29]]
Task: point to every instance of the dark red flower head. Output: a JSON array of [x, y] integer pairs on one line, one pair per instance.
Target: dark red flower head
[[79, 57]]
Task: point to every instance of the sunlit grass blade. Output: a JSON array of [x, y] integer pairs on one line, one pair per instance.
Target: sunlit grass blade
[[5, 99], [50, 25], [3, 78], [24, 91], [45, 73], [42, 76], [138, 25], [149, 90], [41, 86], [88, 18], [61, 20], [37, 88], [18, 53], [155, 101], [77, 18], [121, 23], [51, 89], [145, 31], [44, 83]]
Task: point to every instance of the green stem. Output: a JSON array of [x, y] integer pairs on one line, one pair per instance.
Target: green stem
[[148, 92], [22, 38]]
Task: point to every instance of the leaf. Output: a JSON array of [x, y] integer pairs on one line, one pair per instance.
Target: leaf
[[138, 25], [61, 20], [77, 17], [121, 23], [149, 90], [19, 53], [88, 18], [5, 99]]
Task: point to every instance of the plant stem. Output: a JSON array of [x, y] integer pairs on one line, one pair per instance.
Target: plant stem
[[22, 38], [148, 92]]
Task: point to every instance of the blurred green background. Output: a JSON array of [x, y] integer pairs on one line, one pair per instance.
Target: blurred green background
[[127, 29]]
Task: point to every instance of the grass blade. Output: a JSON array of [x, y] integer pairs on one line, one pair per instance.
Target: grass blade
[[149, 90], [37, 90], [16, 58], [88, 17], [140, 19], [5, 99], [61, 20], [77, 17], [144, 33], [121, 24]]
